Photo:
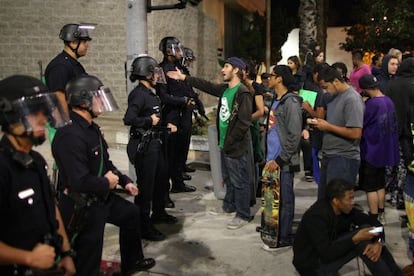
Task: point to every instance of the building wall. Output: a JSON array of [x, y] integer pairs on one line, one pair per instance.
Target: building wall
[[29, 34]]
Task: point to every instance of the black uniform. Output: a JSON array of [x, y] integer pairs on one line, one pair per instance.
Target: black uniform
[[150, 164], [82, 156], [61, 70], [178, 143], [27, 207]]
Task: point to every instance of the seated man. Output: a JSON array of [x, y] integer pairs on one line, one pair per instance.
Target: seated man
[[325, 240], [87, 178]]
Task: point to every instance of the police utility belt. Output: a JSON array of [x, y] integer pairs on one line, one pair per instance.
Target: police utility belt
[[144, 137], [149, 134]]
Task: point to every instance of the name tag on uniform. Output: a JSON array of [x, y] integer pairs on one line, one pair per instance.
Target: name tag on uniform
[[25, 193]]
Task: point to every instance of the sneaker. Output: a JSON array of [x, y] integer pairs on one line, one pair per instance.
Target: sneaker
[[381, 218], [236, 223], [220, 211], [308, 176]]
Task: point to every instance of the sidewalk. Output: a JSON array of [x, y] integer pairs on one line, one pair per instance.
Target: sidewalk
[[200, 244]]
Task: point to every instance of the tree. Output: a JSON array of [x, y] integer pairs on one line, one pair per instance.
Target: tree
[[385, 24], [252, 40], [313, 16]]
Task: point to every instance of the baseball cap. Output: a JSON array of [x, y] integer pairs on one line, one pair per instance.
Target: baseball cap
[[368, 81], [235, 62]]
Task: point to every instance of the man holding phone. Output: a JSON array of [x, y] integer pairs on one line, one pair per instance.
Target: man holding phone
[[333, 232]]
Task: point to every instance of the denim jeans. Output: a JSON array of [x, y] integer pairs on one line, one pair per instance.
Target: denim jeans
[[287, 205], [315, 165], [337, 167], [235, 172]]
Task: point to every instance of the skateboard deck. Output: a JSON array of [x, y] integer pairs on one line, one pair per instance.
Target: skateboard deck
[[110, 268], [269, 228]]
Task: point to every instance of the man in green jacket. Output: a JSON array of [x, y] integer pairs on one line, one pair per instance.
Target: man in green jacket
[[233, 122]]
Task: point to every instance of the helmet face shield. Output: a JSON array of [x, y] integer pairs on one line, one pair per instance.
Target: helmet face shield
[[43, 104], [159, 76], [103, 101], [177, 50]]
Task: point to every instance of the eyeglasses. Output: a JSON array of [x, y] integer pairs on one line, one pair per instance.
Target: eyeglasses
[[274, 75]]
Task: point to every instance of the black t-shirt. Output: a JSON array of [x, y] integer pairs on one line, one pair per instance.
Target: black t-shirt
[[61, 70]]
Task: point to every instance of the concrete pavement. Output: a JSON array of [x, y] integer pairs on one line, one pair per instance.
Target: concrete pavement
[[200, 244]]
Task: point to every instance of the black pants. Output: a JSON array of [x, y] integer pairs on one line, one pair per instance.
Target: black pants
[[152, 179], [89, 243], [385, 266], [178, 146], [306, 148]]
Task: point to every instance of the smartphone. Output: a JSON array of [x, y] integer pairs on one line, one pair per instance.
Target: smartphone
[[377, 230], [311, 121]]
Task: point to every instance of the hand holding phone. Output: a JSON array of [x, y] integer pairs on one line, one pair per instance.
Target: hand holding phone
[[311, 121]]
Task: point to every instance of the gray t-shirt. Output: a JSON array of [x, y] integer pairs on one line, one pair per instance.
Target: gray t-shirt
[[345, 110]]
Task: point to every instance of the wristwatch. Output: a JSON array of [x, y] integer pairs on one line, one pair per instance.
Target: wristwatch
[[70, 253]]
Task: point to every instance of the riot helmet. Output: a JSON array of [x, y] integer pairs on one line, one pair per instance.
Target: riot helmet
[[171, 46], [88, 92], [78, 33], [73, 31], [188, 57], [24, 101], [145, 67], [188, 54]]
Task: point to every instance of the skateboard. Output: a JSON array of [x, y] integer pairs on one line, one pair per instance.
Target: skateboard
[[269, 228], [110, 268]]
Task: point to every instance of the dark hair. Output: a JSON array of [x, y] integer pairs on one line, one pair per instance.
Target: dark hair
[[375, 58], [341, 66], [319, 67], [286, 74], [329, 74], [358, 53], [316, 53], [337, 188], [250, 69], [296, 61]]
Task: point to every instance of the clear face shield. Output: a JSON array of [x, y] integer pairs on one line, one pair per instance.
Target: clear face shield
[[44, 106], [103, 101], [177, 51], [84, 30], [159, 76]]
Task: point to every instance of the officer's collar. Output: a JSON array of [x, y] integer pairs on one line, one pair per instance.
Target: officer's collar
[[23, 158]]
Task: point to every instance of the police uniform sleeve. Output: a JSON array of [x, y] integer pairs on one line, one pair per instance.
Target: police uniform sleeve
[[73, 164], [133, 113]]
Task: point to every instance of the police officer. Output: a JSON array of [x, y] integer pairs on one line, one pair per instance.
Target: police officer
[[145, 146], [187, 61], [86, 172], [65, 66], [181, 116], [32, 235]]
